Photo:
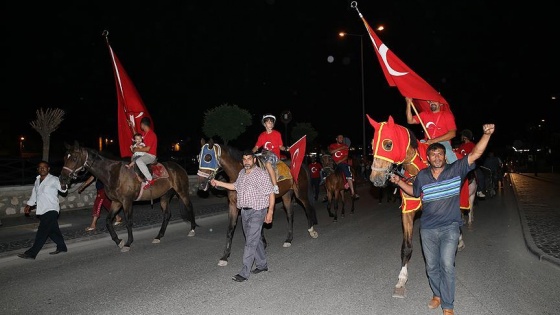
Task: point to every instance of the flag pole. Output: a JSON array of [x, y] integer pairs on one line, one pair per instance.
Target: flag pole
[[420, 119], [105, 33], [354, 5]]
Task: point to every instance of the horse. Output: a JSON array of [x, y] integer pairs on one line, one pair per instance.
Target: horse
[[124, 186], [396, 146], [336, 185], [215, 158]]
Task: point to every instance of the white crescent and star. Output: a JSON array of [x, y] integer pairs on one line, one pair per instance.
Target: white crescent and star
[[429, 124], [383, 50], [268, 146], [338, 154]]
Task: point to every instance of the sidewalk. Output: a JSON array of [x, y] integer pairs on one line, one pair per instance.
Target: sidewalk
[[538, 200], [18, 233]]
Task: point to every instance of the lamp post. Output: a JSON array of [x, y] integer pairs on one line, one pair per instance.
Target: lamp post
[[21, 139], [343, 34]]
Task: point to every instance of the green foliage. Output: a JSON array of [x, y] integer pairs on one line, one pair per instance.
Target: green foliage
[[226, 121], [301, 129]]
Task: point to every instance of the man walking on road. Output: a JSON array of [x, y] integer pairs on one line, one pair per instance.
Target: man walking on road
[[255, 198], [439, 187], [45, 196]]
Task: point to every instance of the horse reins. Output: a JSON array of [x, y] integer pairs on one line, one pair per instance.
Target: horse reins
[[74, 173]]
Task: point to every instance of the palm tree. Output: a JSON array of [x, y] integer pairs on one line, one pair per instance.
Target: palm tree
[[46, 123]]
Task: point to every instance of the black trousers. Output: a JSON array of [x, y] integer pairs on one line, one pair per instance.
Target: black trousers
[[48, 227]]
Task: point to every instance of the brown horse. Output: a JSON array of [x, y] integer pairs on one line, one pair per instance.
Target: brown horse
[[215, 158], [336, 186], [124, 187], [393, 146]]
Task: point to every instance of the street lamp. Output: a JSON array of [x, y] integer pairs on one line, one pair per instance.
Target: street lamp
[[343, 34], [21, 139]]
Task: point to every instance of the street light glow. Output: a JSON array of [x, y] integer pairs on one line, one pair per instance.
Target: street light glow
[[341, 34]]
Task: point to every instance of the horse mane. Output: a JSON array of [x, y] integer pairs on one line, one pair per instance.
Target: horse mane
[[235, 153], [413, 139]]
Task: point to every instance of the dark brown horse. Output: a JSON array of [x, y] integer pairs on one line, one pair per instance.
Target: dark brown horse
[[215, 158], [124, 187], [393, 146], [336, 186]]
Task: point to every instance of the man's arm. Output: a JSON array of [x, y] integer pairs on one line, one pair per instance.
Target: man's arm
[[217, 183], [478, 150], [395, 179], [446, 137], [409, 117], [270, 212]]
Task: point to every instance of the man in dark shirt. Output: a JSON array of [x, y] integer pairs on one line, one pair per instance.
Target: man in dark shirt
[[439, 187]]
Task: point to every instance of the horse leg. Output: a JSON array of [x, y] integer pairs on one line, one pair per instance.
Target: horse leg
[[406, 253], [187, 211], [287, 201], [342, 201], [115, 207], [461, 243], [233, 215], [352, 205], [329, 203], [310, 211], [127, 205], [164, 204]]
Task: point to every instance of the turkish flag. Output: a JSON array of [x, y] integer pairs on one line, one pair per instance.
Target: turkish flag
[[400, 75], [131, 108], [297, 153]]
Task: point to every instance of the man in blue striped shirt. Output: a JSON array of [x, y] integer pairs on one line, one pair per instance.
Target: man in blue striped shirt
[[439, 186]]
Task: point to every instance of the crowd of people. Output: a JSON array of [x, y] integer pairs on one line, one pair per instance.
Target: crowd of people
[[256, 190]]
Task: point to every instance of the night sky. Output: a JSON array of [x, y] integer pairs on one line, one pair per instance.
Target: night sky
[[493, 62]]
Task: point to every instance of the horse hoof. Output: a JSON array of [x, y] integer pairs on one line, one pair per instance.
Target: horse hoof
[[222, 263], [335, 220], [191, 233], [342, 216], [121, 244], [399, 293], [156, 241], [314, 234], [125, 249], [287, 244]]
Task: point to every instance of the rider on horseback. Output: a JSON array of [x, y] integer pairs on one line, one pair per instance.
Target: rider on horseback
[[271, 142], [339, 153]]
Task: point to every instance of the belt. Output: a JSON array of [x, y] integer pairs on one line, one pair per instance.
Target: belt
[[246, 208]]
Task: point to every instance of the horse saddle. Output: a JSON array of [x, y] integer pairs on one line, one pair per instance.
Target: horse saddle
[[282, 169], [156, 169]]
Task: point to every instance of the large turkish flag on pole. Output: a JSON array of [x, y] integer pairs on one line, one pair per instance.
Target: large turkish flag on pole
[[400, 75], [131, 108]]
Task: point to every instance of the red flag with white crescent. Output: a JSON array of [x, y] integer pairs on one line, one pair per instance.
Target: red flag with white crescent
[[131, 108], [400, 75], [297, 153]]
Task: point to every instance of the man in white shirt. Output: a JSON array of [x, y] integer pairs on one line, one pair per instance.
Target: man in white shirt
[[45, 197]]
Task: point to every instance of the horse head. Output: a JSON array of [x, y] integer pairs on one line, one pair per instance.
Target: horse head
[[208, 163], [75, 161], [390, 145]]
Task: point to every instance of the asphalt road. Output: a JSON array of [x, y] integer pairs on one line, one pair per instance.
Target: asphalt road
[[351, 268]]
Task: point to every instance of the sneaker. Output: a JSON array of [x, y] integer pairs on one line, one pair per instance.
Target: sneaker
[[148, 184], [480, 194], [276, 190]]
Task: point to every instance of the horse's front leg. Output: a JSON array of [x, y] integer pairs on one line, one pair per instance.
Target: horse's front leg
[[343, 202], [164, 204], [233, 216], [127, 205], [115, 207], [287, 201], [406, 253]]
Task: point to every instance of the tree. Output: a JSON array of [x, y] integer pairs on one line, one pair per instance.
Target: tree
[[46, 123], [226, 121], [301, 129]]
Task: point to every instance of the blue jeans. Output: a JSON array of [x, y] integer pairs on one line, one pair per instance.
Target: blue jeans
[[440, 247]]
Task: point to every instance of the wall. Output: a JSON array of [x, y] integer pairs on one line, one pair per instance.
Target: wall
[[14, 198]]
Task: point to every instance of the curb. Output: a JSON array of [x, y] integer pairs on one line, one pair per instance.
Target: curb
[[529, 242]]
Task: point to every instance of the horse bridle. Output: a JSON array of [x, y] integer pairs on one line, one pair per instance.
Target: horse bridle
[[210, 176], [74, 173]]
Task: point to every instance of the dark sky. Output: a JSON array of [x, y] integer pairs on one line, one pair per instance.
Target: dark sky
[[493, 62]]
